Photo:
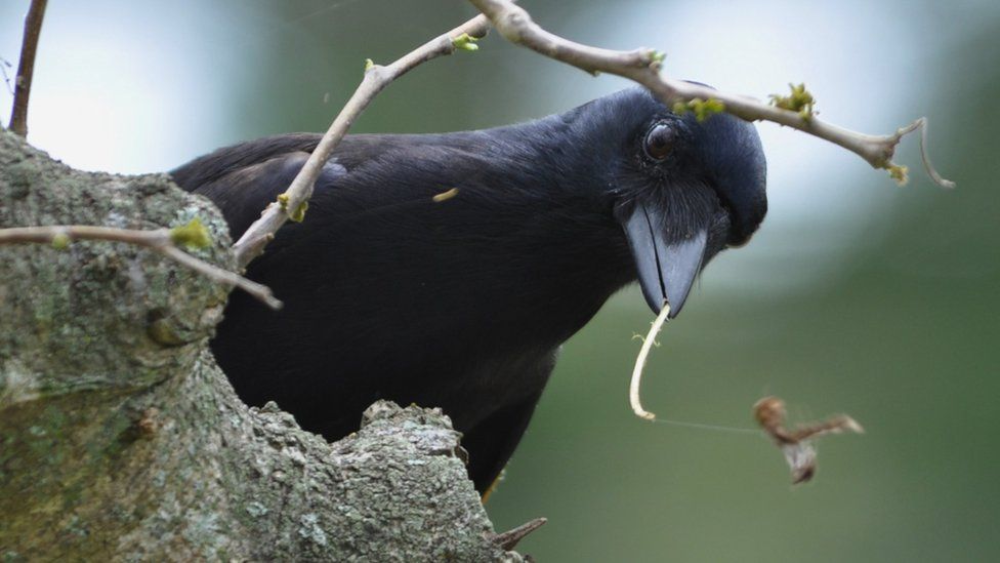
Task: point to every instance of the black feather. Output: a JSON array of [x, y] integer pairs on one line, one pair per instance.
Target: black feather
[[463, 303]]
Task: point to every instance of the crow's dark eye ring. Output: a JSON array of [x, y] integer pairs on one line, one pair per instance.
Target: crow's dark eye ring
[[659, 141]]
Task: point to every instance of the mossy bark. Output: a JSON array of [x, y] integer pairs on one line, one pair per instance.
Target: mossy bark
[[120, 439]]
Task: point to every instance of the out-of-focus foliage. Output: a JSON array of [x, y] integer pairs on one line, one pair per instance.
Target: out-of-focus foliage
[[856, 296]]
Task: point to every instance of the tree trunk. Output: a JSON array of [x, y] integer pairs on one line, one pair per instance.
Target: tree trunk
[[120, 439]]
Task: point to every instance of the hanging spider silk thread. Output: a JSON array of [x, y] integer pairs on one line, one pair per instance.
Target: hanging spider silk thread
[[702, 426]]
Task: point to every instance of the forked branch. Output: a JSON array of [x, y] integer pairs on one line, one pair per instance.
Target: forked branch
[[643, 66], [640, 65], [165, 241], [293, 203]]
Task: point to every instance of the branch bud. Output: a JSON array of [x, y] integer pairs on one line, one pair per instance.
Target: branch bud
[[899, 173], [192, 235], [465, 42], [60, 241], [800, 100], [703, 109]]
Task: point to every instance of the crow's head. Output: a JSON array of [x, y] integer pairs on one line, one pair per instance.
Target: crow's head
[[683, 190]]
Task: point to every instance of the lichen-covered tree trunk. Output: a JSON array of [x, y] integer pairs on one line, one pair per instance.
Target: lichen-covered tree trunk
[[120, 439]]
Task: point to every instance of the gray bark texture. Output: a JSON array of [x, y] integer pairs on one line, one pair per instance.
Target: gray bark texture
[[121, 440]]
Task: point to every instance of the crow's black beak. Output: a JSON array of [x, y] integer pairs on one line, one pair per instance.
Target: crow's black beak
[[667, 270]]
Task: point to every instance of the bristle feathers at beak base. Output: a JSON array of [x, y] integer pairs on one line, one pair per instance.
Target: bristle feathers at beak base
[[666, 268]]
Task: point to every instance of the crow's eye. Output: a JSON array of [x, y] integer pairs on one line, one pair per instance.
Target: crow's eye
[[659, 141]]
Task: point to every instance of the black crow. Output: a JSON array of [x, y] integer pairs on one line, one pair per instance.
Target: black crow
[[462, 302]]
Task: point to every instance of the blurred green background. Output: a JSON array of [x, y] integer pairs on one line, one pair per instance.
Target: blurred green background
[[856, 296]]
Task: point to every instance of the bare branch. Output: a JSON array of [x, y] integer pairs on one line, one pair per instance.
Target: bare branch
[[292, 203], [643, 66], [26, 68], [160, 240]]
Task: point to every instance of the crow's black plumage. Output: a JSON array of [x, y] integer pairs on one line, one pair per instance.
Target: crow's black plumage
[[463, 303]]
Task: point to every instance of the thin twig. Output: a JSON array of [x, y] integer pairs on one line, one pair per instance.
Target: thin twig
[[643, 66], [26, 67], [292, 203], [925, 157], [160, 240], [259, 291], [508, 540]]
